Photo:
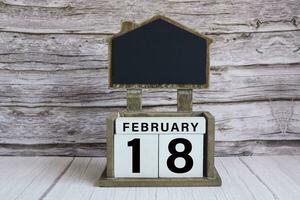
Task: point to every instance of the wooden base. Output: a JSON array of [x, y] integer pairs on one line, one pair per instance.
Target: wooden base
[[104, 181]]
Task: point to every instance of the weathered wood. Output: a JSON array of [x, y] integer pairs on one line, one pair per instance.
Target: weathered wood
[[54, 149], [209, 143], [184, 100], [223, 148], [105, 181], [29, 178], [49, 52], [276, 179], [255, 48], [110, 127], [78, 182], [78, 16], [288, 165], [234, 175], [134, 99], [66, 178], [53, 73], [31, 125], [274, 120], [52, 52], [258, 147], [85, 88]]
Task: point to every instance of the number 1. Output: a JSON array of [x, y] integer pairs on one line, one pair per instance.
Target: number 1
[[135, 144]]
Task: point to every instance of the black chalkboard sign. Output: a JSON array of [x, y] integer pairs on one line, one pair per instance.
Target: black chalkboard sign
[[159, 53]]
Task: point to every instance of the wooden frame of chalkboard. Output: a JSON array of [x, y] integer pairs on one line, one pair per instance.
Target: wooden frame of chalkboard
[[133, 27]]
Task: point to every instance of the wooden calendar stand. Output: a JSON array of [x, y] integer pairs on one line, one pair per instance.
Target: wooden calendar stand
[[184, 107], [160, 53]]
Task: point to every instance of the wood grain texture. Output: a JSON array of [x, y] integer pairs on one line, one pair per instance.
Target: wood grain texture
[[274, 120], [89, 87], [53, 73], [257, 147], [271, 174], [250, 178], [54, 52], [61, 149], [79, 180], [241, 180], [28, 178], [78, 16], [237, 121], [223, 148]]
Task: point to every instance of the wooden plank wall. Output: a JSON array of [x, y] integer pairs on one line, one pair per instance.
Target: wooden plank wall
[[54, 96]]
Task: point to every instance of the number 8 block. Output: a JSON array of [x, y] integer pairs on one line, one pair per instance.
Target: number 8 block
[[181, 155]]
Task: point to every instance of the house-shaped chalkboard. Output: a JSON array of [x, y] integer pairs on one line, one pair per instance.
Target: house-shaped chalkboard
[[159, 53]]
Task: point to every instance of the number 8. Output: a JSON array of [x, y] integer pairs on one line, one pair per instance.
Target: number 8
[[184, 154]]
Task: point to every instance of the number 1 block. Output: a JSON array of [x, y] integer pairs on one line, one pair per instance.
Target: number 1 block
[[181, 155], [136, 155]]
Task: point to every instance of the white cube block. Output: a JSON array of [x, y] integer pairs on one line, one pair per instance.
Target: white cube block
[[160, 125], [136, 155], [181, 155]]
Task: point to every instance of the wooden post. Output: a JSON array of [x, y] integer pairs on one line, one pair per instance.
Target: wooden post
[[127, 26], [134, 96], [134, 99], [185, 100]]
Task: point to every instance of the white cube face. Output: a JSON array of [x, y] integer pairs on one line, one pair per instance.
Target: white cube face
[[181, 155], [136, 155]]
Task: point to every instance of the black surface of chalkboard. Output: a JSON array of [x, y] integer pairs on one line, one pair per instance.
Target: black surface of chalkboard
[[159, 53]]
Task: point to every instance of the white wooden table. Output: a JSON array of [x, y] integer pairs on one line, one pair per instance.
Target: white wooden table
[[264, 178]]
